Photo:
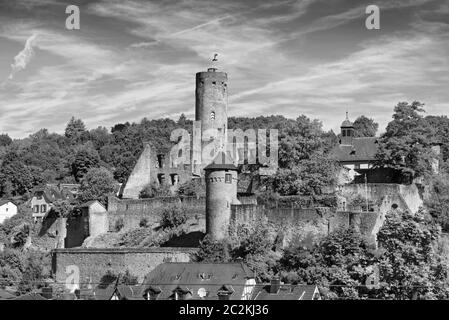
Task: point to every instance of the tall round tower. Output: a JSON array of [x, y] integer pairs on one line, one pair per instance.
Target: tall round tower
[[211, 108], [221, 192]]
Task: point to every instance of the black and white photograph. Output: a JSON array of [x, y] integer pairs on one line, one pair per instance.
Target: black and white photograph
[[238, 152]]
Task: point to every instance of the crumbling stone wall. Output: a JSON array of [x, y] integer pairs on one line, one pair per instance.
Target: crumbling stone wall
[[405, 197], [93, 264]]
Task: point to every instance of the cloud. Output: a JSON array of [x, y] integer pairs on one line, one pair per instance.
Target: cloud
[[23, 58]]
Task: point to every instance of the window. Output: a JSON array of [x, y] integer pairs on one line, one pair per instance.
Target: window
[[43, 208], [160, 160], [212, 115], [36, 208], [344, 133], [174, 179], [161, 178], [228, 178]]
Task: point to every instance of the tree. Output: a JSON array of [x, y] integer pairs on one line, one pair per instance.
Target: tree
[[365, 127], [173, 216], [438, 202], [75, 130], [309, 177], [85, 159], [406, 144], [97, 184], [409, 267], [15, 177], [5, 140], [407, 263]]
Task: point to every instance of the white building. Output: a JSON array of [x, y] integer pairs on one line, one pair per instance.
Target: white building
[[7, 209]]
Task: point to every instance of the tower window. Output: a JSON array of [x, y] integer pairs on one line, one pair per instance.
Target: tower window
[[228, 178], [160, 160], [212, 115], [213, 82], [174, 179]]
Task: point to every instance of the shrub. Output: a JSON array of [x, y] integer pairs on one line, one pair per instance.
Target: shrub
[[192, 188], [143, 222], [153, 190], [173, 216], [119, 224]]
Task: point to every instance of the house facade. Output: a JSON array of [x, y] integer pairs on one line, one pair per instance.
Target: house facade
[[355, 152], [199, 281], [43, 198], [7, 210]]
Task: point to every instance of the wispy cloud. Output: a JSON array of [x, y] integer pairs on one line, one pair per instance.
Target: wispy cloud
[[276, 62], [23, 58]]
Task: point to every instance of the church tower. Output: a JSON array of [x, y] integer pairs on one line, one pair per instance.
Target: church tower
[[211, 108], [347, 132]]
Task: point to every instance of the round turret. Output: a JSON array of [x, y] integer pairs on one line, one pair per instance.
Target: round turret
[[221, 192]]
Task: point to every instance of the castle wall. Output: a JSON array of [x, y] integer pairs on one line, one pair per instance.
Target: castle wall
[[130, 212], [95, 263], [150, 169], [140, 176], [406, 197]]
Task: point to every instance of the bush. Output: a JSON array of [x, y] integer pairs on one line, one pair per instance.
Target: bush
[[143, 222], [173, 216], [192, 188], [119, 224], [153, 190]]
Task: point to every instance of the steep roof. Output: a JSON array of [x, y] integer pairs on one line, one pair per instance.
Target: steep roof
[[5, 201], [285, 292], [362, 149], [221, 162], [52, 194], [89, 203], [196, 278]]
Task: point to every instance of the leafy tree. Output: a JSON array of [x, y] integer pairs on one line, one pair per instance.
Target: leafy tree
[[97, 184], [438, 202], [441, 127], [75, 130], [34, 273], [15, 177], [173, 216], [406, 144], [5, 140], [213, 251], [85, 159], [365, 127], [309, 177], [410, 267]]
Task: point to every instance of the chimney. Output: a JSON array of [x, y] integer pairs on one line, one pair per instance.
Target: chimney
[[275, 285]]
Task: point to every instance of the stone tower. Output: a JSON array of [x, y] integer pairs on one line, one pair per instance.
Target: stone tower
[[211, 108], [221, 192], [347, 132]]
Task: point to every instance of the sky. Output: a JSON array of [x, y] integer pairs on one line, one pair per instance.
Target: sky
[[136, 59]]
